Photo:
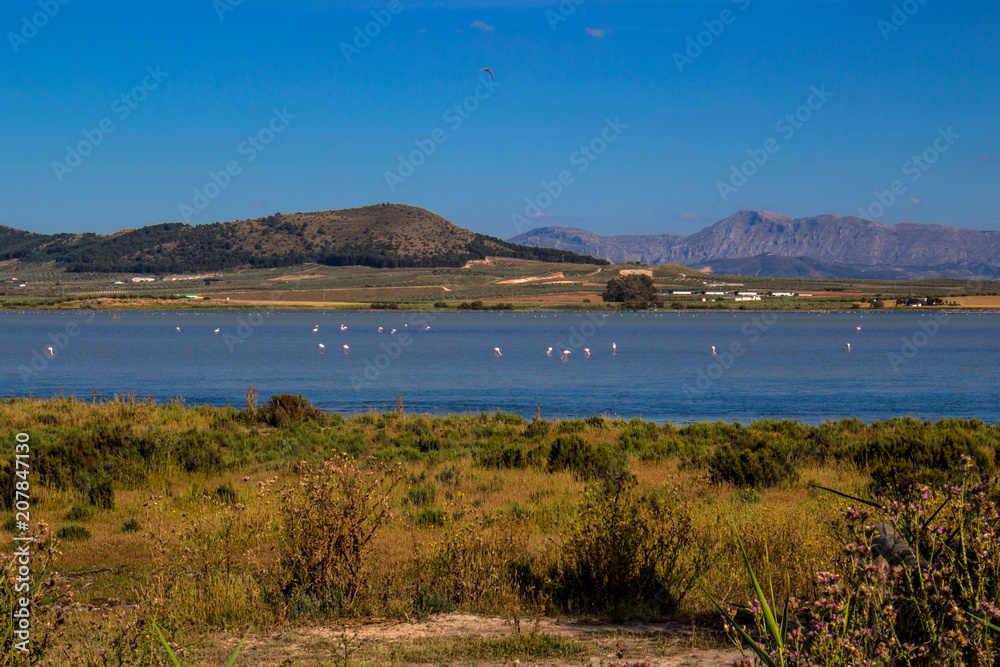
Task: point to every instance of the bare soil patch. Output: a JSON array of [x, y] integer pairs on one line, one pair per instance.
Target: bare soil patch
[[385, 642]]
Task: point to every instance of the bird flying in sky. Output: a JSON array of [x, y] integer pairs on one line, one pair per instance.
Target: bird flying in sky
[[487, 69]]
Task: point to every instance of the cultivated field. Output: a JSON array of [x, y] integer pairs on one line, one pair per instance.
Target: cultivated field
[[525, 284]]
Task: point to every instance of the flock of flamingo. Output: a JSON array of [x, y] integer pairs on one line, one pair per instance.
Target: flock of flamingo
[[496, 350]]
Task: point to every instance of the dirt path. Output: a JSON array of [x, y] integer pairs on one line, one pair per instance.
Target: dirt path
[[660, 644]]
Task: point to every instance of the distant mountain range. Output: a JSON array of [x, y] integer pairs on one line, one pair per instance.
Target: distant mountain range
[[761, 243], [384, 235]]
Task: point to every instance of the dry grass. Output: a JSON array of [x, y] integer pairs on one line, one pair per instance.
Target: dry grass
[[199, 565]]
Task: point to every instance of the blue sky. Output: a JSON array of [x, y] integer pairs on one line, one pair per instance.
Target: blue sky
[[648, 130]]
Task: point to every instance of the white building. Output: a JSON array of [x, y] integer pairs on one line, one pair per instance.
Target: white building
[[142, 279]]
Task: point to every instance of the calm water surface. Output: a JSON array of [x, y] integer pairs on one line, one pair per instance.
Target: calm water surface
[[777, 365]]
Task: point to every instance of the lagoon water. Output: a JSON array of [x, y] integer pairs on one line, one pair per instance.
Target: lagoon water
[[782, 365]]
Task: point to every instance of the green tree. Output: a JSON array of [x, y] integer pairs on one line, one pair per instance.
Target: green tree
[[633, 289]]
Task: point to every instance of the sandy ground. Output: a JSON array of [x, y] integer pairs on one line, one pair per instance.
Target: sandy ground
[[519, 281], [663, 645]]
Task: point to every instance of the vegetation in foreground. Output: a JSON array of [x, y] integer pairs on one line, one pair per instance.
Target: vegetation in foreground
[[212, 523]]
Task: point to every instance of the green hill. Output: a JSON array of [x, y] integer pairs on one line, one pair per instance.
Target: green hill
[[382, 236]]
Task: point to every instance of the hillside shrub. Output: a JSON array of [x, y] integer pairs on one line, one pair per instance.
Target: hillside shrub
[[73, 532], [585, 460], [760, 467], [288, 409], [329, 519], [628, 552]]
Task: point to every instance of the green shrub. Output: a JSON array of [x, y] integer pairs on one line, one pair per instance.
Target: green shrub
[[600, 422], [421, 494], [759, 467], [430, 516], [10, 525], [325, 556], [430, 601], [226, 493], [131, 526], [80, 512], [570, 426], [73, 532], [102, 493], [586, 461], [450, 475], [288, 409], [625, 551], [537, 429], [505, 457]]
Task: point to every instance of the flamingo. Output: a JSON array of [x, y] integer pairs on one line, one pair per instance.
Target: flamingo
[[548, 353], [343, 327], [565, 355], [321, 346], [586, 353], [614, 348], [713, 350], [346, 348], [216, 331], [316, 329], [50, 350], [427, 328], [392, 332], [858, 328], [177, 328], [848, 347], [496, 352], [380, 329]]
